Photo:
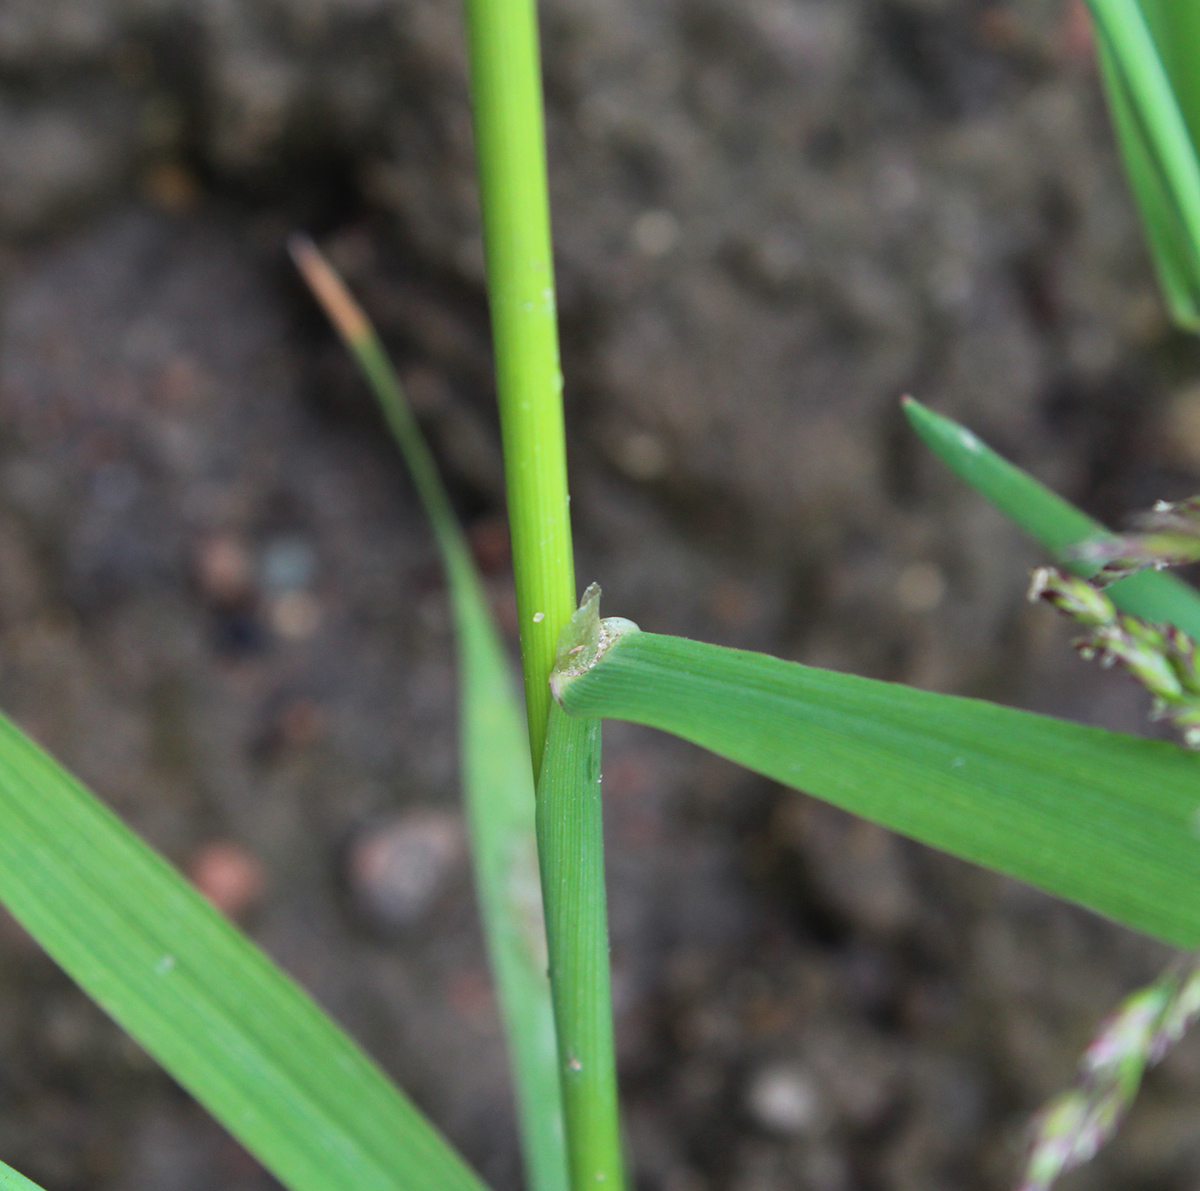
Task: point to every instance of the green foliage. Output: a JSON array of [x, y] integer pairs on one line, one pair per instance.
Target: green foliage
[[509, 140], [1168, 536], [1106, 820], [1102, 819], [1162, 658], [1148, 51], [506, 89], [201, 998], [1058, 526], [10, 1180], [496, 774], [571, 846], [1076, 1123], [1175, 27]]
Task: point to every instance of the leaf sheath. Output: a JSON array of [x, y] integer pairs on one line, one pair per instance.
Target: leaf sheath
[[571, 847]]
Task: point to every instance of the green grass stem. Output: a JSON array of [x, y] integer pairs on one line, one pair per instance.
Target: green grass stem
[[510, 147], [509, 141]]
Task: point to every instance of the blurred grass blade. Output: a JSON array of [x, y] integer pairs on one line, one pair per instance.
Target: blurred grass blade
[[1102, 819], [1175, 28], [1057, 525], [200, 997], [1170, 248], [10, 1180], [497, 772], [1152, 130], [571, 847]]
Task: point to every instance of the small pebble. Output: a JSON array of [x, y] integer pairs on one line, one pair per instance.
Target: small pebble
[[920, 587], [398, 871], [302, 722], [171, 187], [223, 570], [288, 564], [655, 233], [642, 456], [229, 876], [783, 1099], [295, 615]]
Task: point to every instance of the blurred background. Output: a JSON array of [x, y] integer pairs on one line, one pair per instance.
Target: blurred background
[[220, 606]]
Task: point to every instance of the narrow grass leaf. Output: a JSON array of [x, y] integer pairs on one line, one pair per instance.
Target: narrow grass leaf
[[1175, 28], [497, 773], [1170, 248], [200, 997], [10, 1180], [571, 846], [1102, 819], [1057, 525], [1154, 135]]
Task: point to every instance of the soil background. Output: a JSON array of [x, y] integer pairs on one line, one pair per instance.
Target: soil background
[[220, 606]]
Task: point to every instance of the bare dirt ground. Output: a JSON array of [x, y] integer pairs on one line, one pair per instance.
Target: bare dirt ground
[[219, 604]]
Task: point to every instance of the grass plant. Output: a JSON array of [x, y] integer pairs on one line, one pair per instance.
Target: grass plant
[[497, 775], [1148, 51], [1104, 819], [510, 145]]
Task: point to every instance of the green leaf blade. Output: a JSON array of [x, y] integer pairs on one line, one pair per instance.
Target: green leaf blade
[[1175, 28], [1170, 248], [1056, 524], [11, 1180], [230, 1026], [497, 773], [1101, 819], [1150, 115]]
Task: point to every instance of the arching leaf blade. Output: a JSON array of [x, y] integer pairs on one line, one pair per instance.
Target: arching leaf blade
[[1101, 819], [231, 1027], [11, 1180], [1055, 523]]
